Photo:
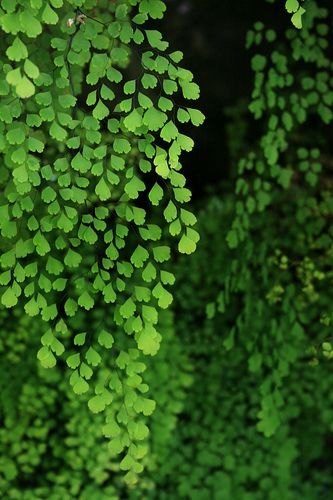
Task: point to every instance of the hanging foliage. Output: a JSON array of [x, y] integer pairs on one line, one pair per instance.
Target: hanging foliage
[[92, 112]]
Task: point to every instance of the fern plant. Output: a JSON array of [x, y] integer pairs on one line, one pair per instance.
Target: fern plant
[[286, 97], [92, 114], [286, 176], [91, 120], [51, 445]]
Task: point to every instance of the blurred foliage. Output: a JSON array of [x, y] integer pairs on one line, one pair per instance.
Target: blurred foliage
[[258, 419], [51, 445]]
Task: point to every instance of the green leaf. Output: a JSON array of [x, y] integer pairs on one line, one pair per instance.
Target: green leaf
[[9, 298], [147, 406], [161, 253], [100, 111], [41, 244], [148, 341], [197, 118], [161, 64], [182, 195], [130, 87], [232, 238], [154, 119], [164, 297], [183, 116], [187, 217], [149, 81], [119, 55], [13, 77], [96, 404], [73, 361], [169, 132], [111, 429], [105, 339], [170, 212], [80, 339], [54, 266], [155, 8], [149, 273], [71, 307], [133, 120], [258, 62], [17, 51], [190, 90], [102, 190], [86, 301], [35, 144], [16, 136], [48, 194], [127, 462], [46, 357], [81, 386], [139, 256], [29, 24], [165, 104], [49, 16], [155, 40], [109, 294], [297, 18], [170, 86], [92, 357], [292, 5], [25, 88], [186, 245], [145, 101], [58, 132], [91, 98], [121, 145], [80, 164], [86, 371], [176, 56], [167, 278], [67, 101], [155, 194], [48, 338], [133, 187], [127, 309]]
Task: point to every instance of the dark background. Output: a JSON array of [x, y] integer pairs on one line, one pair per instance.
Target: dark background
[[212, 35]]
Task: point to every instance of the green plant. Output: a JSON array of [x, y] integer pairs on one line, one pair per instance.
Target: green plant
[[237, 402], [91, 114], [258, 417], [51, 445], [292, 89]]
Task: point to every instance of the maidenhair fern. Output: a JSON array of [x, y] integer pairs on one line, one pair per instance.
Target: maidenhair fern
[[92, 118], [293, 89], [285, 101]]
